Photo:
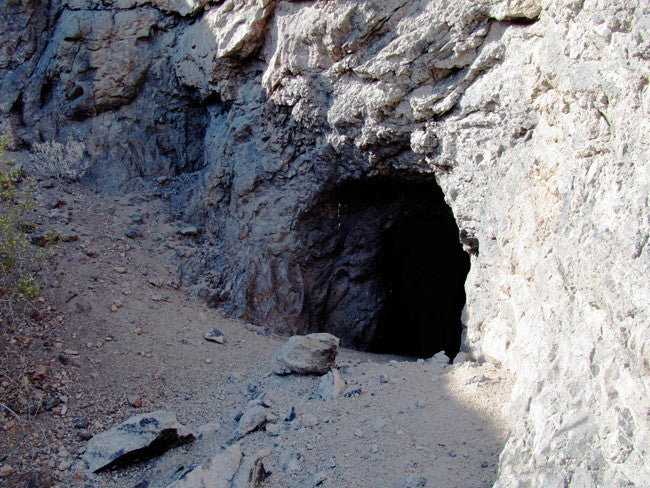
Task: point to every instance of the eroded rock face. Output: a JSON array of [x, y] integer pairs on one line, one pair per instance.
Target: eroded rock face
[[530, 117]]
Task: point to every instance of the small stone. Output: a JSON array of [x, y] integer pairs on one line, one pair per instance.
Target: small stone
[[484, 464], [134, 400], [252, 419], [331, 385], [214, 335], [84, 435], [6, 470], [132, 232], [71, 352], [462, 357], [440, 358], [413, 481], [383, 379], [80, 423], [119, 269], [189, 230], [39, 374]]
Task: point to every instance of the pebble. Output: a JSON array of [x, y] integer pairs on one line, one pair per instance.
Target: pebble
[[119, 269], [214, 336], [84, 435], [414, 481], [189, 230], [134, 400], [132, 232], [6, 470]]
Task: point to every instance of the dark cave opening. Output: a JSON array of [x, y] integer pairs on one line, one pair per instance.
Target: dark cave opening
[[384, 268], [423, 268]]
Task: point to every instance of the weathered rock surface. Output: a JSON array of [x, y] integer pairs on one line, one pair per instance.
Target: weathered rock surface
[[139, 438], [331, 385], [218, 472], [253, 418], [528, 118], [310, 354]]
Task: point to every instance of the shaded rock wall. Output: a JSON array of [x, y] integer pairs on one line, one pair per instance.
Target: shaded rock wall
[[531, 116]]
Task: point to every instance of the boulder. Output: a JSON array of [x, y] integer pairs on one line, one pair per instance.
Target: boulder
[[139, 438], [310, 354]]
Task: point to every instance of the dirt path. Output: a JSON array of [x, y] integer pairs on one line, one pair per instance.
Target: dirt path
[[121, 338]]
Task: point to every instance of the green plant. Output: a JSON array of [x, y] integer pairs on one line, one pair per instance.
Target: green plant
[[18, 259]]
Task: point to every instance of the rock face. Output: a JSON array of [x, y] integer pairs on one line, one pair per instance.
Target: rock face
[[137, 439], [303, 133], [310, 354]]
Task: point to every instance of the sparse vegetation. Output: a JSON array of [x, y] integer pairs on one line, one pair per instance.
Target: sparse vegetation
[[64, 161], [18, 259]]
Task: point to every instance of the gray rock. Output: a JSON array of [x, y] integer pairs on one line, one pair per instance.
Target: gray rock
[[310, 354], [218, 472], [352, 391], [331, 385], [462, 357], [132, 232], [253, 418], [139, 438], [439, 358], [414, 481], [251, 472], [214, 335], [527, 119], [189, 230]]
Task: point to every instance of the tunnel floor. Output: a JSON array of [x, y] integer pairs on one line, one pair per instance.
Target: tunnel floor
[[384, 269]]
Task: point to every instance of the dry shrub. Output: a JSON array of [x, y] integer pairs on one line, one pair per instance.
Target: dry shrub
[[64, 161]]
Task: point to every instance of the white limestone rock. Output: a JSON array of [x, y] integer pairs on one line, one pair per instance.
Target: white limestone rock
[[309, 354]]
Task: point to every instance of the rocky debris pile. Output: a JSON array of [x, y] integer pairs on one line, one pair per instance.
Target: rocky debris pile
[[309, 354], [285, 434]]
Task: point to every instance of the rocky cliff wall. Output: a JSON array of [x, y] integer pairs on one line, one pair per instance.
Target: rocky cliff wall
[[528, 118]]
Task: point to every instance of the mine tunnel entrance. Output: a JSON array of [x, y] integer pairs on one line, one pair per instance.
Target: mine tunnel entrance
[[423, 268], [384, 269]]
